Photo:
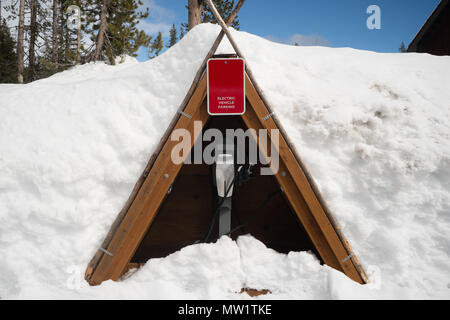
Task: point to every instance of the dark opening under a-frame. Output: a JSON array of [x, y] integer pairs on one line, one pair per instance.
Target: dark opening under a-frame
[[259, 208]]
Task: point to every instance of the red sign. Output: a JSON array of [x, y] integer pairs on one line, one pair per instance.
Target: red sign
[[226, 86]]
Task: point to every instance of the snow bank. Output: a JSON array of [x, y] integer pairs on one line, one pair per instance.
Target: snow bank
[[222, 269], [372, 128]]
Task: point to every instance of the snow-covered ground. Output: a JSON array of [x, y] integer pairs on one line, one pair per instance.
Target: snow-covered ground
[[374, 130]]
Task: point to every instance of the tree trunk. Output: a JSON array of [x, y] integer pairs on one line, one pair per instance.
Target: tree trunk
[[194, 13], [60, 32], [33, 33], [20, 36], [101, 31], [54, 34], [78, 43]]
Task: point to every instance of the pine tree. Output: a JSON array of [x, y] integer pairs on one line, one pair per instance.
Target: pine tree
[[63, 41], [36, 32], [47, 43], [402, 48], [121, 34], [173, 36], [224, 7], [157, 45], [8, 57], [15, 11], [91, 10]]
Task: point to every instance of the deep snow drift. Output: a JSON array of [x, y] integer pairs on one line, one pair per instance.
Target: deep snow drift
[[374, 129]]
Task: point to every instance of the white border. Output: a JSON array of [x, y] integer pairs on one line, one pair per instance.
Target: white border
[[207, 88]]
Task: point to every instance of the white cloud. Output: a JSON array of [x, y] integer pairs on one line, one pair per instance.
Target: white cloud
[[160, 19], [158, 12], [302, 40], [152, 28]]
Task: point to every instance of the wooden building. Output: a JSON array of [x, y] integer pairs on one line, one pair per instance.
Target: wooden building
[[434, 37]]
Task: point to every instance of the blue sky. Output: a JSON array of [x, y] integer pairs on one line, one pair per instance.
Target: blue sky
[[324, 22]]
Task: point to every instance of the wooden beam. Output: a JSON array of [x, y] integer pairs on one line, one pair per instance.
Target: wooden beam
[[301, 195], [143, 209]]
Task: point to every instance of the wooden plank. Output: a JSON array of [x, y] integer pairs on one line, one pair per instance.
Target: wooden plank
[[295, 197], [144, 207], [296, 186]]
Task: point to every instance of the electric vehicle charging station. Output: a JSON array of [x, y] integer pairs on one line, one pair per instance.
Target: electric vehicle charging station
[[224, 175], [226, 97]]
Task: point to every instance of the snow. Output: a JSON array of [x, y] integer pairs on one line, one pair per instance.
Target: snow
[[374, 130]]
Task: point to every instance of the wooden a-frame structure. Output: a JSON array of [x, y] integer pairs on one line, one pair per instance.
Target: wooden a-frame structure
[[112, 260]]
